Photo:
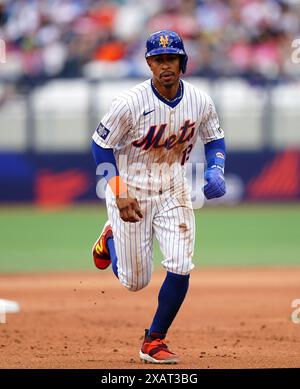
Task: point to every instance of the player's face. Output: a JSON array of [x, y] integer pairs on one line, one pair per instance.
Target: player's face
[[165, 68]]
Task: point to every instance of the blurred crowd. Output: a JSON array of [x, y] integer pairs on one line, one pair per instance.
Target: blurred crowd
[[46, 39]]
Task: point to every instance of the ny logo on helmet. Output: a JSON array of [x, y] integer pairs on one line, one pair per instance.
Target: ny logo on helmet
[[164, 40]]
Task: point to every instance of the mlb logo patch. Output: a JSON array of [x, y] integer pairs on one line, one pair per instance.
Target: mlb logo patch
[[102, 131]]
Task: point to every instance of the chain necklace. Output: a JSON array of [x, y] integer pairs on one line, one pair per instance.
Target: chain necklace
[[169, 100]]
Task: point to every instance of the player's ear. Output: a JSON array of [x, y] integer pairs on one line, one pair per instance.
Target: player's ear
[[149, 62]]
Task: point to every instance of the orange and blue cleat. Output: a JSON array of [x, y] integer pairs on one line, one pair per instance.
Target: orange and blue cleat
[[100, 251], [155, 350]]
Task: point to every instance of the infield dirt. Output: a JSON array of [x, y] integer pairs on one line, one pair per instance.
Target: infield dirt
[[232, 318]]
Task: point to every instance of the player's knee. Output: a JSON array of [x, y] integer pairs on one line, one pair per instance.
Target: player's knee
[[134, 280], [134, 286], [137, 287]]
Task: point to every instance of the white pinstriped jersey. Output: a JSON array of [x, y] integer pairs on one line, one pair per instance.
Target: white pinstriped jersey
[[140, 126], [147, 131]]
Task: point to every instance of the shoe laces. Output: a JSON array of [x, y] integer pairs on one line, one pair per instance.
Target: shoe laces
[[159, 342]]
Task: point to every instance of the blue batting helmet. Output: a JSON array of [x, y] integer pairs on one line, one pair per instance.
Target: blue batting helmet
[[166, 42]]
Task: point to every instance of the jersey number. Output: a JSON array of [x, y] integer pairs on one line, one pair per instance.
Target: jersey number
[[186, 154]]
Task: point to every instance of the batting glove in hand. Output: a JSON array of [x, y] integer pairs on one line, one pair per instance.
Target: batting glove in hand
[[215, 186]]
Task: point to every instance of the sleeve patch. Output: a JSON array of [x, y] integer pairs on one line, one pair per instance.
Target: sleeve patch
[[102, 131]]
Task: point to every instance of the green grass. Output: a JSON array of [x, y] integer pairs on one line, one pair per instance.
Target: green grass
[[39, 240]]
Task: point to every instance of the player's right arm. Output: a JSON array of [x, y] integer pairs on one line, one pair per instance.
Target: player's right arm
[[112, 128]]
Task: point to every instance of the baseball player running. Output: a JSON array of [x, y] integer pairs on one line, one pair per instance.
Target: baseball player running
[[148, 129]]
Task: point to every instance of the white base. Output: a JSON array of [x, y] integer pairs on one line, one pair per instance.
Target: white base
[[9, 306]]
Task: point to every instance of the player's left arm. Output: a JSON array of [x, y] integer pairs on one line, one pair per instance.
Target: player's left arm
[[215, 152], [214, 174]]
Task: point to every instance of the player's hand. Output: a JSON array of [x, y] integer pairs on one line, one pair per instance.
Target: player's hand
[[215, 186], [130, 210]]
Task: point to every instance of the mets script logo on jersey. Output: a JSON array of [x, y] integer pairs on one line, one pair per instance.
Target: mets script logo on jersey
[[164, 40], [153, 138]]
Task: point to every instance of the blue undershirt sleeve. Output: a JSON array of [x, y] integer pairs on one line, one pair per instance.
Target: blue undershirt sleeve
[[101, 156]]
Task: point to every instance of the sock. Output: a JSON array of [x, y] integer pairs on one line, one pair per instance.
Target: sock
[[113, 256], [170, 298]]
